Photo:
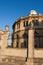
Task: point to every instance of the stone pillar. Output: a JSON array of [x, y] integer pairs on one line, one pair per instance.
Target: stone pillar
[[4, 42], [30, 46], [31, 43], [15, 43], [5, 37], [19, 43]]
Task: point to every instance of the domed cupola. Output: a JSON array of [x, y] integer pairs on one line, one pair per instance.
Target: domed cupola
[[33, 12]]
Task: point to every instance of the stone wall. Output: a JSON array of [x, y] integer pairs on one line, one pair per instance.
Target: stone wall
[[14, 60], [15, 52], [38, 53]]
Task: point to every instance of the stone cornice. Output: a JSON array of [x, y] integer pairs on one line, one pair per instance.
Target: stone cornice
[[26, 17]]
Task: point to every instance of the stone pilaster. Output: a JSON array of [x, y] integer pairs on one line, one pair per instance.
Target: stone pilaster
[[15, 43], [30, 46], [31, 43], [4, 41], [19, 43]]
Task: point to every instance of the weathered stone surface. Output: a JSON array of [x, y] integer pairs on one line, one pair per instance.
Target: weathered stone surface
[[21, 54]]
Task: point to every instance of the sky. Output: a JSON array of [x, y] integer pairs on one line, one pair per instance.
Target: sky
[[11, 10]]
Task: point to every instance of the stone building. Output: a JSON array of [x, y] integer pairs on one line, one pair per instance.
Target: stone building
[[27, 41], [23, 25], [28, 34]]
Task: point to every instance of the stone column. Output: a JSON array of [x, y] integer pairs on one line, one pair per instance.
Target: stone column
[[15, 43], [5, 37], [19, 43], [4, 43], [31, 43], [30, 46]]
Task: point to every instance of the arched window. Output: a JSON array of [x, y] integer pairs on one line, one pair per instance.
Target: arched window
[[36, 40], [25, 35], [18, 25], [25, 23], [42, 23], [17, 44], [17, 36], [17, 41], [35, 22], [24, 44]]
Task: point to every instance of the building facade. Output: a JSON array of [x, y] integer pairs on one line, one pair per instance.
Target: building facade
[[27, 41], [28, 33], [22, 26]]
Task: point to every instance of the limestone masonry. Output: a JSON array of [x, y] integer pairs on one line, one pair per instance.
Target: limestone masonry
[[27, 41]]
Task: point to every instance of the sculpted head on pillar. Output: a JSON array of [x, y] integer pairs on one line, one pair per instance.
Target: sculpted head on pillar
[[7, 28]]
